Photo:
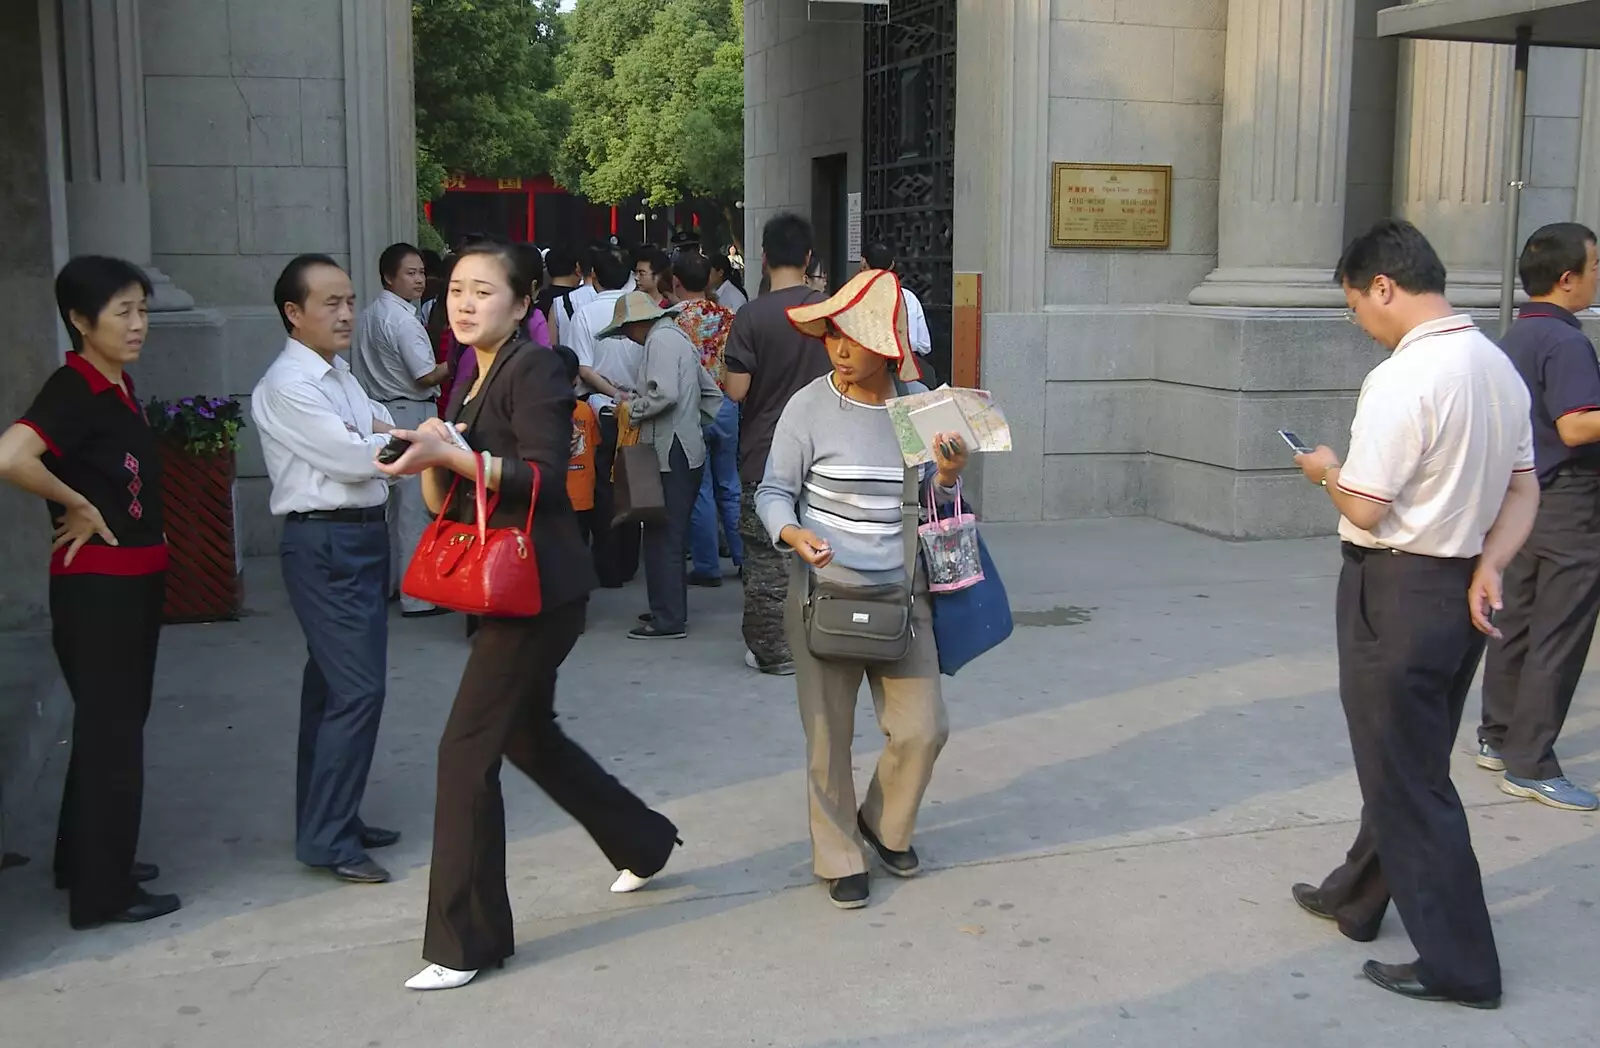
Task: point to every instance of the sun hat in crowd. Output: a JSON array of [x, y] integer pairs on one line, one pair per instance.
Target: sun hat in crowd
[[871, 312], [635, 307]]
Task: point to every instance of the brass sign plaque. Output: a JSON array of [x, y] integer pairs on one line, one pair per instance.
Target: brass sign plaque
[[1111, 205]]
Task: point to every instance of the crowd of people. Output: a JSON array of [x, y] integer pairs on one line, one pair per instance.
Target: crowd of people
[[1469, 502]]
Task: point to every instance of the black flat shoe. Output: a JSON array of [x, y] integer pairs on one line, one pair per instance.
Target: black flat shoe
[[378, 837], [705, 581], [849, 893], [142, 873], [1310, 900], [900, 863], [1402, 979], [145, 907], [363, 871]]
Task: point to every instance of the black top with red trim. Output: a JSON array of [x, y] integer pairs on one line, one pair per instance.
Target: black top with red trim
[[1557, 361], [100, 446]]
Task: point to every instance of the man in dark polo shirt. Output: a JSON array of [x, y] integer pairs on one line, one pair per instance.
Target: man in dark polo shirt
[[768, 360], [1552, 587]]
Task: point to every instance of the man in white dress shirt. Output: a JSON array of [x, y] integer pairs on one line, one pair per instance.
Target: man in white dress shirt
[[393, 360], [320, 434], [879, 255]]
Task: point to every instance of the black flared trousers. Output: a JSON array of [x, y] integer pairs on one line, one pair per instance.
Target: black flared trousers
[[506, 707]]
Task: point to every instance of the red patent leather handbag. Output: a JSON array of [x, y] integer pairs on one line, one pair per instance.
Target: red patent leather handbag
[[474, 568]]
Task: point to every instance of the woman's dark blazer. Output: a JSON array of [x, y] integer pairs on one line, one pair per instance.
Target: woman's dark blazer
[[522, 415]]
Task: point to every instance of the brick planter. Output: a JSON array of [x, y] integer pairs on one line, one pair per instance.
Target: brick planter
[[204, 581]]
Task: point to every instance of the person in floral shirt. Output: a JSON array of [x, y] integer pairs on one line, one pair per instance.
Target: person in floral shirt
[[707, 324]]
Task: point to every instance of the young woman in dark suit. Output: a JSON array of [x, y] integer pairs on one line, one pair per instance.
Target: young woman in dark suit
[[519, 412]]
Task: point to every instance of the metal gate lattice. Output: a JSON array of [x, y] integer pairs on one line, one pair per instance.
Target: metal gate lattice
[[910, 140]]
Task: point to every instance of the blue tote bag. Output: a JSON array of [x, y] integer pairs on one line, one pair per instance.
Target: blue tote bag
[[968, 622]]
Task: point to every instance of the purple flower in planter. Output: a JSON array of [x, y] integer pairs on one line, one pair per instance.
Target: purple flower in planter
[[204, 412], [187, 402], [172, 411]]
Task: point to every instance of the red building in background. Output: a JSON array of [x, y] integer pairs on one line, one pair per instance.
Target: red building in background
[[538, 211]]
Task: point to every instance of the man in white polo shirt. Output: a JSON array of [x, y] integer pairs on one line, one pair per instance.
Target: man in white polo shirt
[[1437, 494]]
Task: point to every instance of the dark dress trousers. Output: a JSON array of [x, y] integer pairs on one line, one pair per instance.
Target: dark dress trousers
[[505, 706], [1407, 656]]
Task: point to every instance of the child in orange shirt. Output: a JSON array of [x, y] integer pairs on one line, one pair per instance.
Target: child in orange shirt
[[585, 441]]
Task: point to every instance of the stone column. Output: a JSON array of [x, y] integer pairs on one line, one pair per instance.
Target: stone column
[[1588, 209], [1285, 140], [108, 192], [1450, 157], [380, 134]]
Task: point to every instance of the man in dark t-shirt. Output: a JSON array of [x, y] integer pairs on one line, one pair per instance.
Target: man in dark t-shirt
[[1552, 586], [768, 361]]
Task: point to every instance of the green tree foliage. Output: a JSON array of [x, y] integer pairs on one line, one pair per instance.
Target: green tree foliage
[[655, 93], [484, 70]]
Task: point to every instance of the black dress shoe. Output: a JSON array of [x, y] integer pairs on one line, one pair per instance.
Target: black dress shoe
[[900, 863], [1402, 979], [1310, 900], [362, 871], [145, 907], [849, 893], [378, 837], [142, 873], [706, 581]]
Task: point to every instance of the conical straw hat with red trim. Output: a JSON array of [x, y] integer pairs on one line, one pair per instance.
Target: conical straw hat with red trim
[[871, 312]]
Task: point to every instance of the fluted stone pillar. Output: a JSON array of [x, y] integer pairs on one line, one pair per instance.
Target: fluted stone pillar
[[1588, 209], [1450, 157], [108, 191], [1285, 140]]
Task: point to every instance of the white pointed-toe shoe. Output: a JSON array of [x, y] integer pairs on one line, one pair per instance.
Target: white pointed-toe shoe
[[438, 977], [629, 881]]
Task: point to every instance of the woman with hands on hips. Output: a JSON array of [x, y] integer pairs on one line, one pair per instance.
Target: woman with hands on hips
[[84, 447], [833, 493], [517, 416]]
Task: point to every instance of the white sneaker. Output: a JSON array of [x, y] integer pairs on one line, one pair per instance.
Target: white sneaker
[[438, 977], [629, 882], [750, 659]]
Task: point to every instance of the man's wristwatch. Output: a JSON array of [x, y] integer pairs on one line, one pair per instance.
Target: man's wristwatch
[[1325, 472]]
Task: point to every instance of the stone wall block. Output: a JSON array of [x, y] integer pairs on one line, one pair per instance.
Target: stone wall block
[[1080, 129], [185, 37], [1077, 278], [1191, 422], [288, 210], [1015, 360], [285, 38], [1096, 60], [1198, 65], [322, 129], [1097, 346], [1186, 136], [1077, 486], [1190, 14], [1305, 350], [1097, 417], [1155, 276], [1195, 348], [194, 210], [1316, 419], [1083, 10]]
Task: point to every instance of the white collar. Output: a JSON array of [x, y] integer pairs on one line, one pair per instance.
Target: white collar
[[1450, 325], [310, 361], [394, 299]]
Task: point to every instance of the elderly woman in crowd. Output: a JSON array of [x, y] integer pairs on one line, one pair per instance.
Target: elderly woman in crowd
[[835, 494], [84, 448]]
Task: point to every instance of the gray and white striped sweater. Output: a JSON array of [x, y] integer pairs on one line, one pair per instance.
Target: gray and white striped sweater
[[836, 469]]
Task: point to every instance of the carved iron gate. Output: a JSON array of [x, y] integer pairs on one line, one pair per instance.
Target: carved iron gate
[[910, 139]]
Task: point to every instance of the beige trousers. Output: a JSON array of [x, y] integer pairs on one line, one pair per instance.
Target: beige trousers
[[911, 715]]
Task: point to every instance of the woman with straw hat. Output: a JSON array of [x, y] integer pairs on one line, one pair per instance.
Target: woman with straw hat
[[834, 495]]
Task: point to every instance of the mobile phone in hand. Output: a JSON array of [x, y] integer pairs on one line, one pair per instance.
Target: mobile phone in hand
[[390, 453], [1294, 442]]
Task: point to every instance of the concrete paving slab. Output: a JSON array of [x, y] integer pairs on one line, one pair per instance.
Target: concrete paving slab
[[1130, 787]]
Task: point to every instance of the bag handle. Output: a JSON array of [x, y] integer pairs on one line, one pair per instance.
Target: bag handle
[[480, 501], [910, 506]]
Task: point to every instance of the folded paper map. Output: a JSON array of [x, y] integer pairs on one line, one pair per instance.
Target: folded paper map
[[968, 412]]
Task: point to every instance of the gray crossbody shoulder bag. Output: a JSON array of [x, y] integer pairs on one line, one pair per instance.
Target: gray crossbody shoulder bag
[[845, 623]]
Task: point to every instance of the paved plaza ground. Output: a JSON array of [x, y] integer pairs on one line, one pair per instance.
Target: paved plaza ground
[[1130, 787]]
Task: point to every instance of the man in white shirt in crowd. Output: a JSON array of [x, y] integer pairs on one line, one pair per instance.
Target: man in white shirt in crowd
[[879, 255], [393, 360], [722, 289], [1437, 494], [608, 371], [580, 296], [320, 434]]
